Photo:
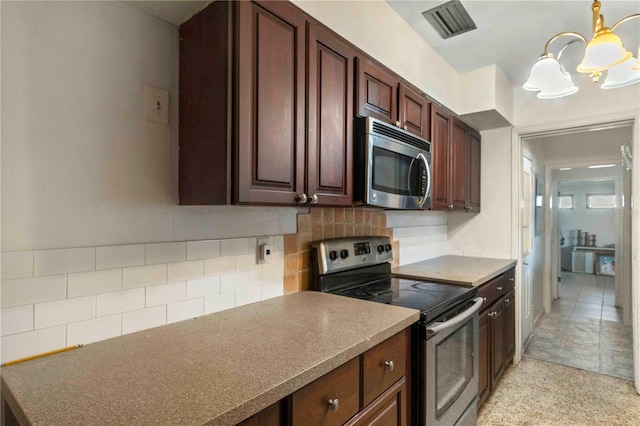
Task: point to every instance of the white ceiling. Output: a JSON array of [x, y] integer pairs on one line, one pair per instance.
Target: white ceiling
[[173, 12], [512, 34]]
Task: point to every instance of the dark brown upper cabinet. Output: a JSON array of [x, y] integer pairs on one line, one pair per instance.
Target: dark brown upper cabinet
[[330, 118], [455, 163], [265, 108], [382, 94]]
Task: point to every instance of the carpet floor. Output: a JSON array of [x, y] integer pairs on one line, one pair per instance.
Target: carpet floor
[[540, 393]]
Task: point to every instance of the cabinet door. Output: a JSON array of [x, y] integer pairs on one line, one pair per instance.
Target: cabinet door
[[497, 342], [509, 328], [484, 360], [459, 176], [473, 203], [330, 112], [270, 103], [390, 409], [414, 112], [377, 92], [440, 130]]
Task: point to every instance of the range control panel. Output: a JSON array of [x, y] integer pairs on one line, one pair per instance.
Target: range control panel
[[340, 254]]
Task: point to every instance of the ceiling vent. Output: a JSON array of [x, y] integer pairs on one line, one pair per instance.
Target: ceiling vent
[[450, 19]]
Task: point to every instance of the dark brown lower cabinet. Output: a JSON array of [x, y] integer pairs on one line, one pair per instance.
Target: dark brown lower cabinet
[[497, 332], [370, 389]]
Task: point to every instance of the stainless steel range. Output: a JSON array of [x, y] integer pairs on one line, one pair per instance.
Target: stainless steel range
[[445, 340]]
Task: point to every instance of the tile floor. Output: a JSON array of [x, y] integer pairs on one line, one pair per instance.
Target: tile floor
[[584, 328]]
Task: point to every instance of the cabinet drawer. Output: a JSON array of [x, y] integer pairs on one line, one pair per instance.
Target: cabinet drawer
[[491, 291], [509, 280], [383, 365], [311, 406]]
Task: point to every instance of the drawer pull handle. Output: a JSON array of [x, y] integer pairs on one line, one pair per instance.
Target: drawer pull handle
[[492, 314], [334, 404], [512, 279], [507, 300], [499, 288], [389, 365]]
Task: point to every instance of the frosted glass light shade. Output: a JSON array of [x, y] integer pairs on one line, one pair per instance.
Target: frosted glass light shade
[[622, 75], [545, 70], [604, 51], [636, 66], [558, 88]]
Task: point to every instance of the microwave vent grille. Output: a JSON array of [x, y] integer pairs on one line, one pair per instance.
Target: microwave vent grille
[[392, 133]]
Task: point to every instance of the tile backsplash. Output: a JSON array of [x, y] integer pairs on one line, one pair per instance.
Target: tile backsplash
[[57, 298]]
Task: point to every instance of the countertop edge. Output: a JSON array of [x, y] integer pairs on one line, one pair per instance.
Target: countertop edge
[[494, 274], [275, 394], [474, 283]]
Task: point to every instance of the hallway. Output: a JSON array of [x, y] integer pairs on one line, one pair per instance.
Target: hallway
[[584, 328]]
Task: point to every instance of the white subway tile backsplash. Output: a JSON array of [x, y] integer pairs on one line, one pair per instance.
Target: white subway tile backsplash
[[17, 319], [278, 243], [143, 319], [261, 276], [203, 249], [234, 247], [248, 295], [203, 287], [186, 270], [141, 276], [94, 330], [185, 310], [273, 289], [219, 302], [166, 293], [95, 282], [33, 290], [219, 266], [246, 262], [49, 314], [120, 301], [17, 264], [22, 345], [234, 281], [119, 256], [63, 261], [165, 253]]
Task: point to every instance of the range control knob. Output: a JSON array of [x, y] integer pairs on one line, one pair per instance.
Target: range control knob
[[344, 254], [387, 247], [381, 248], [333, 255]]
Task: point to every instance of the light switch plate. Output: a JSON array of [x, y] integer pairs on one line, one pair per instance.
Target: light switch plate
[[156, 106]]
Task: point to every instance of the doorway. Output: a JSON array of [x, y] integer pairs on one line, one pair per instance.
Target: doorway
[[563, 303]]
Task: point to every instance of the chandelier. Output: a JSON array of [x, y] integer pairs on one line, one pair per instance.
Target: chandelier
[[603, 53]]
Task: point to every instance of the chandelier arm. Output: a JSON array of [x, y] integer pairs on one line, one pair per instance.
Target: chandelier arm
[[562, 34], [623, 20], [564, 47]]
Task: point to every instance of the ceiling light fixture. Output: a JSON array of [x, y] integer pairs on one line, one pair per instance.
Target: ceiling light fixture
[[602, 166], [603, 53]]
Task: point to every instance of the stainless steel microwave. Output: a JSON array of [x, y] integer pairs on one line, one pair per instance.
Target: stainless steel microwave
[[392, 167]]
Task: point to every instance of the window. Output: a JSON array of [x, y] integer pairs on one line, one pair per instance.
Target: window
[[601, 201], [565, 201]]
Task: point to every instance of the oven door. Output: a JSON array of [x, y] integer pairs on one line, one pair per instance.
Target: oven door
[[452, 368], [398, 175]]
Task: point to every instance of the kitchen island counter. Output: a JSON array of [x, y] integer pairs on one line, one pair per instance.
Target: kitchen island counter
[[473, 271], [216, 369]]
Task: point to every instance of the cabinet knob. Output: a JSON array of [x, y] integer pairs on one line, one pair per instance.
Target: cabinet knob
[[492, 314], [499, 288], [404, 127], [397, 124], [507, 300], [302, 198], [389, 365], [450, 206], [314, 199], [334, 404], [512, 279]]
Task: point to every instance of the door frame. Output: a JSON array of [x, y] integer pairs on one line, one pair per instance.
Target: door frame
[[603, 120]]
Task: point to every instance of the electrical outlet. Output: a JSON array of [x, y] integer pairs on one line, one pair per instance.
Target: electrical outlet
[[265, 250], [156, 107]]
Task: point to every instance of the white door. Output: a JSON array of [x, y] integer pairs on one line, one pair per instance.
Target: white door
[[528, 224]]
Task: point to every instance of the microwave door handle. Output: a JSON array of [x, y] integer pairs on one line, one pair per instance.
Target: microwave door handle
[[409, 175], [458, 319], [425, 163]]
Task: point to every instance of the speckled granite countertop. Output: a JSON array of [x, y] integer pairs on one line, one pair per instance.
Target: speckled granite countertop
[[456, 269], [217, 369]]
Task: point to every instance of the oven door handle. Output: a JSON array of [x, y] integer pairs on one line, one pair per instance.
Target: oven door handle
[[438, 327]]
